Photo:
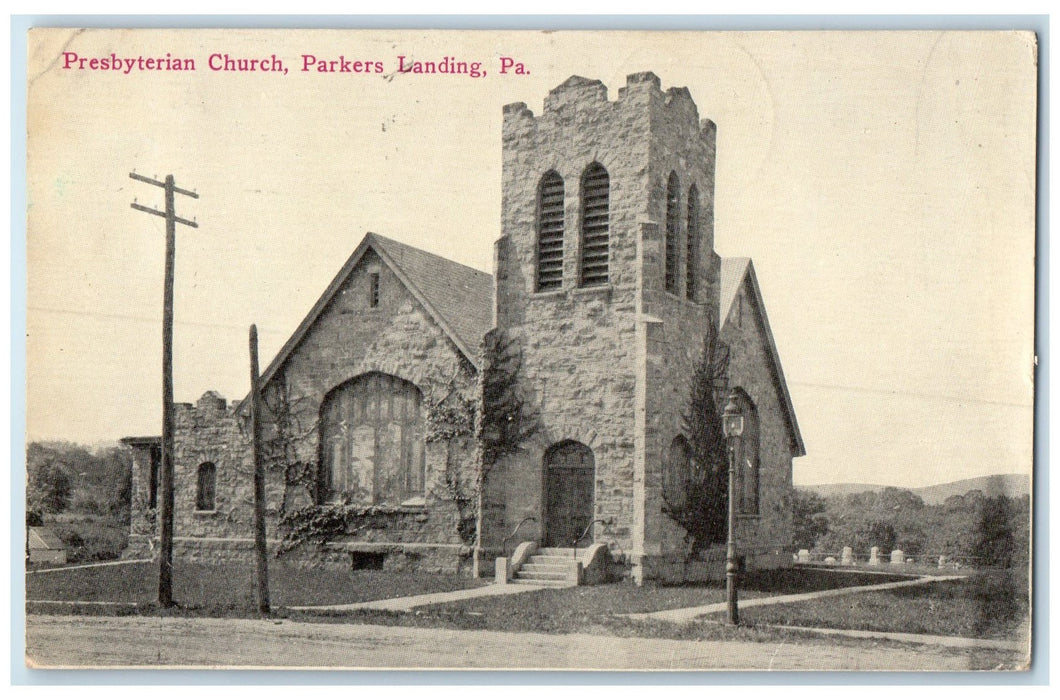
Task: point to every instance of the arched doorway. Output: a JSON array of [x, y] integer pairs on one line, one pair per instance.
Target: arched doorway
[[570, 471]]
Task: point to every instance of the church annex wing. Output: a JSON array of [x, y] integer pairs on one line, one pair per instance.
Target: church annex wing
[[735, 272]]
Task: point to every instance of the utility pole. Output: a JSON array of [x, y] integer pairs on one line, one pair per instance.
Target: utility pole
[[260, 549], [165, 564]]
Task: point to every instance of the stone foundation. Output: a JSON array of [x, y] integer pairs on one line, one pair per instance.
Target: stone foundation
[[420, 557], [709, 567]]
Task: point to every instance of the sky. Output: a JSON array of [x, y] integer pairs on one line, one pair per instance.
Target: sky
[[883, 183]]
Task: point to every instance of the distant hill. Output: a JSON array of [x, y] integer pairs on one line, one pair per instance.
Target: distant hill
[[1009, 484]]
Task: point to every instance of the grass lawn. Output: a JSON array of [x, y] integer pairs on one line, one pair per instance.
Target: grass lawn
[[229, 590], [988, 605], [597, 608]]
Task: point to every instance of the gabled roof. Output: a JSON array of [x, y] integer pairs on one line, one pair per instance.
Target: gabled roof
[[734, 272], [458, 298]]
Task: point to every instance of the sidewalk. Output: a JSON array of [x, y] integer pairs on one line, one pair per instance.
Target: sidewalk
[[685, 615], [957, 642], [407, 603]]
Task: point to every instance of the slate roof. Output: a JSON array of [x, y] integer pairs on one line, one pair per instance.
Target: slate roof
[[462, 296], [458, 298], [734, 273]]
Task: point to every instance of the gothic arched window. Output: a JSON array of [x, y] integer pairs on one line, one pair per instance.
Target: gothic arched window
[[371, 441], [206, 487], [673, 200], [550, 232], [692, 263], [595, 248], [747, 463]]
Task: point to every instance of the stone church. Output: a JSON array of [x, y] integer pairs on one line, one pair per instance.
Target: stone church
[[605, 280]]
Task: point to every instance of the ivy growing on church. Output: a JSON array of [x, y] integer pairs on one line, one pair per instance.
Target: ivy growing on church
[[452, 418], [323, 523], [507, 422]]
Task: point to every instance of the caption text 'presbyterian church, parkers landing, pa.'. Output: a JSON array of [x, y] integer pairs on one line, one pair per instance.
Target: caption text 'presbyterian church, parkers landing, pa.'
[[605, 278]]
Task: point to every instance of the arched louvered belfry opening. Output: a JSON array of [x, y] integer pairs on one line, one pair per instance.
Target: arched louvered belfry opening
[[593, 267], [550, 232], [570, 474], [692, 261], [673, 214], [372, 441]]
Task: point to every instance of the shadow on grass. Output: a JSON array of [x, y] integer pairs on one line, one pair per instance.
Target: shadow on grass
[[986, 605]]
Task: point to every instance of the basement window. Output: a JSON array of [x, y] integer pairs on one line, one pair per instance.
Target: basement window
[[360, 561]]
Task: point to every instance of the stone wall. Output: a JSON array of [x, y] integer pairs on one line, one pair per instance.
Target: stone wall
[[350, 338], [396, 337], [681, 146], [608, 366], [751, 368], [578, 344]]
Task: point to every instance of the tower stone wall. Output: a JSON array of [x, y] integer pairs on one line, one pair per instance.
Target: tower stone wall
[[607, 365]]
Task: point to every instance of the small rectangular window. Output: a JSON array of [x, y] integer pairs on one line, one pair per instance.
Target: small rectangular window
[[373, 290], [207, 486], [156, 465]]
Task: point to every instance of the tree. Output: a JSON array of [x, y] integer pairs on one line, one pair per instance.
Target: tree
[[698, 502], [995, 542], [809, 518], [48, 490], [875, 533]]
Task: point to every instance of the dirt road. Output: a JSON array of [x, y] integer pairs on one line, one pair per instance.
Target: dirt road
[[123, 642]]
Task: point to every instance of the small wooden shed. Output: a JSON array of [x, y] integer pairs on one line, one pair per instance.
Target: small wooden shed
[[45, 547]]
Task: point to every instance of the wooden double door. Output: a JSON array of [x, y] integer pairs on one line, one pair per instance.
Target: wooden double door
[[570, 473]]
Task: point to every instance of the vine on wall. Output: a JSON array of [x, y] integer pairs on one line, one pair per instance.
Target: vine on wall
[[497, 421], [324, 523], [506, 420], [452, 418], [288, 436]]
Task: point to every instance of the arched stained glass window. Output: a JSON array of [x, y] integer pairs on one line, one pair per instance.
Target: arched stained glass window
[[371, 441], [677, 473], [747, 463]]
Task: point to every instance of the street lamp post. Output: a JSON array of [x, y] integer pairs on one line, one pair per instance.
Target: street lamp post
[[732, 427]]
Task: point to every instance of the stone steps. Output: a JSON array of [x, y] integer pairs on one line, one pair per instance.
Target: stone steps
[[549, 567]]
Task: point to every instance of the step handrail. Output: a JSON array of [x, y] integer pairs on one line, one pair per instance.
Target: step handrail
[[574, 544], [509, 538]]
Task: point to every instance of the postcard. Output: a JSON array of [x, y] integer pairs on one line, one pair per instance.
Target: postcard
[[537, 350]]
